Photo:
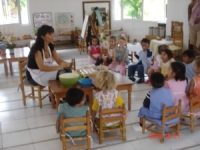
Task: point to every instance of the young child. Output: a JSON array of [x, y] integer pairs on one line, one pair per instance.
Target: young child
[[108, 98], [194, 88], [108, 58], [188, 58], [156, 61], [144, 62], [166, 59], [120, 56], [95, 51], [72, 108], [177, 84], [154, 101]]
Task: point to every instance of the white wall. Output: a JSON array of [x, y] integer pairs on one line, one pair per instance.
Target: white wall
[[177, 10]]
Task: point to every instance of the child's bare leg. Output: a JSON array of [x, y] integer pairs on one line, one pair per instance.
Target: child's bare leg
[[149, 72]]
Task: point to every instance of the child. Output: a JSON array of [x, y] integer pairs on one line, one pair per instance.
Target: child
[[177, 84], [94, 51], [154, 101], [120, 56], [108, 58], [108, 98], [194, 88], [188, 57], [74, 108], [144, 62], [156, 62], [166, 59]]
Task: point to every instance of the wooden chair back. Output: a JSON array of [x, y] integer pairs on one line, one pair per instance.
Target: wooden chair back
[[178, 39], [22, 63], [171, 113], [65, 129], [176, 27], [194, 104]]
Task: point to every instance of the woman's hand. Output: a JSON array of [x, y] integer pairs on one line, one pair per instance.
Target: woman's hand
[[64, 64], [197, 21]]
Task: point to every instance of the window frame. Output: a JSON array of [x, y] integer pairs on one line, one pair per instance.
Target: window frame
[[142, 16], [19, 15]]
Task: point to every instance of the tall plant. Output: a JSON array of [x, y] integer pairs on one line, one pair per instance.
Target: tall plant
[[134, 8]]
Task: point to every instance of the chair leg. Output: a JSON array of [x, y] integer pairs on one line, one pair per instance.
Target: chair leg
[[64, 143], [162, 136], [192, 124], [88, 143], [100, 136], [33, 93], [23, 94], [39, 96], [178, 128]]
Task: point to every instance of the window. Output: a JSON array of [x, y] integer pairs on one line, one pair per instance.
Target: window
[[14, 11], [147, 10]]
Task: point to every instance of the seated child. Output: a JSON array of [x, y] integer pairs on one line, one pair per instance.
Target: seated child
[[156, 61], [194, 88], [108, 98], [72, 108], [120, 56], [188, 58], [177, 84], [95, 51], [154, 101], [108, 58], [166, 59], [144, 62]]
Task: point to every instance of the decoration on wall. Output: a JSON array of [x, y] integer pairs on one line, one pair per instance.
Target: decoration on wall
[[84, 26], [44, 18], [64, 20]]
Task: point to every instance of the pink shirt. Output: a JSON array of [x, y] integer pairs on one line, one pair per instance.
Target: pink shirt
[[195, 14]]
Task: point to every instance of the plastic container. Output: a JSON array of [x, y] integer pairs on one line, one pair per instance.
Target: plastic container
[[69, 79], [85, 82]]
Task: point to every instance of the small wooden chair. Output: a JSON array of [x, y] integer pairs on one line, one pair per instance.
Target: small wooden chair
[[22, 63], [101, 129], [170, 118], [176, 27], [193, 114], [177, 45], [65, 129]]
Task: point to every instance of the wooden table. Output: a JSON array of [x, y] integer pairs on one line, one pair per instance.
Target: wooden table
[[123, 83], [18, 53], [58, 91]]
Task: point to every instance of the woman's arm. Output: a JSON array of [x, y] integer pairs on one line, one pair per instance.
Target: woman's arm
[[57, 58], [191, 87], [42, 67]]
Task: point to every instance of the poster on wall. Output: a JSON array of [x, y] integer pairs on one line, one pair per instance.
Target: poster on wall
[[43, 18], [64, 20], [84, 26]]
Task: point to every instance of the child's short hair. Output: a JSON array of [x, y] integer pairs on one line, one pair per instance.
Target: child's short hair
[[168, 52], [94, 37], [197, 62], [145, 40], [179, 69], [189, 53], [122, 38], [113, 38], [106, 80], [161, 48], [74, 96], [157, 80]]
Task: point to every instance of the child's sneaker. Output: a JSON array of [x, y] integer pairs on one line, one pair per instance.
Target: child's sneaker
[[138, 128], [140, 81], [132, 79]]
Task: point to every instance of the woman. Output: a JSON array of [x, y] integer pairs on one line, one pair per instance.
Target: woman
[[194, 24], [41, 57]]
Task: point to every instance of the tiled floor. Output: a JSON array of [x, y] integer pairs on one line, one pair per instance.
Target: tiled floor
[[32, 128]]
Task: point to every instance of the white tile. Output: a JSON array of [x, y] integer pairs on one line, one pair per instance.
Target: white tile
[[27, 112], [194, 148], [1, 146], [7, 116], [25, 147], [41, 121], [49, 145], [147, 144], [133, 135], [135, 105], [6, 106], [132, 117], [125, 146], [16, 139], [43, 134], [193, 136], [184, 141], [12, 126], [19, 103]]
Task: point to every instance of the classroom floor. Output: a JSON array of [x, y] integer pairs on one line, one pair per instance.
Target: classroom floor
[[32, 128]]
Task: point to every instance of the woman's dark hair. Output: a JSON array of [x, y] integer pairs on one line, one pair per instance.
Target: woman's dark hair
[[179, 69], [189, 54], [168, 52], [74, 96], [42, 31], [157, 80], [94, 37]]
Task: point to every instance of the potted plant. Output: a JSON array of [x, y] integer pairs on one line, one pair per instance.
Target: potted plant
[[9, 44], [35, 30]]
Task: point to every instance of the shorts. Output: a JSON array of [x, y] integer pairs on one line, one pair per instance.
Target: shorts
[[195, 36]]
